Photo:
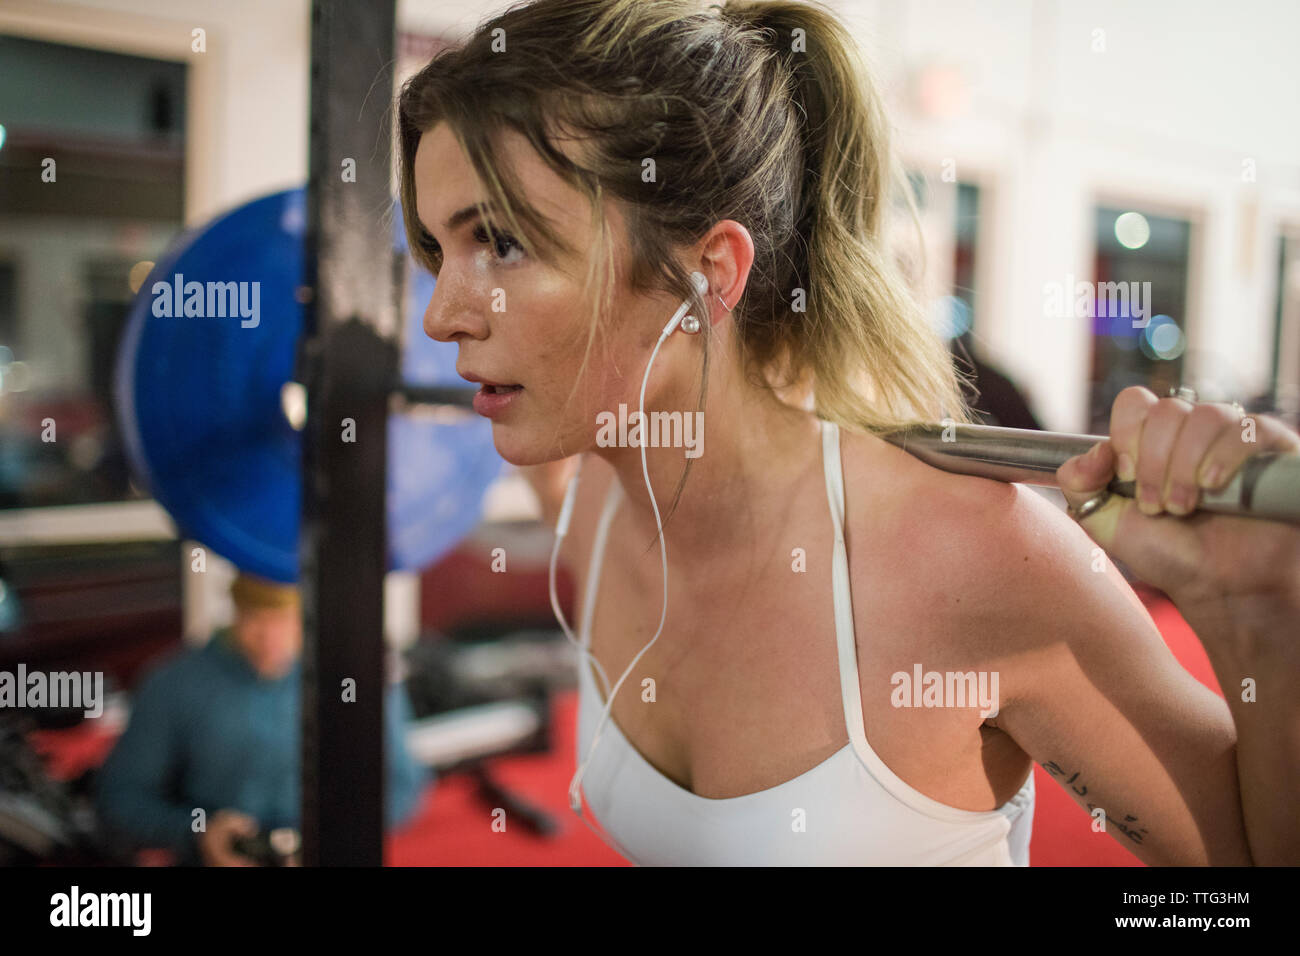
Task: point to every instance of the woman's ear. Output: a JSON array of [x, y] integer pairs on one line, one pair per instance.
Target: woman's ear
[[726, 254]]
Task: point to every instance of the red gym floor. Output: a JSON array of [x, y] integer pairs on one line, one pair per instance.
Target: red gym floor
[[453, 828]]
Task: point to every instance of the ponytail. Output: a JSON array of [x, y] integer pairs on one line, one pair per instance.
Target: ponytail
[[864, 344]]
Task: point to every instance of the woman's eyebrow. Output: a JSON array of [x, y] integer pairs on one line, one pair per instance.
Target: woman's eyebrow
[[460, 216]]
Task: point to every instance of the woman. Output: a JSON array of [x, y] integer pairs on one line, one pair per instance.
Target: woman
[[566, 174]]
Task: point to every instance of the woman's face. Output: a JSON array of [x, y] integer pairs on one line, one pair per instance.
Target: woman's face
[[519, 321]]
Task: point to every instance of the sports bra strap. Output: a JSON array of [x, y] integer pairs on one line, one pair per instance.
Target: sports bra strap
[[850, 689]]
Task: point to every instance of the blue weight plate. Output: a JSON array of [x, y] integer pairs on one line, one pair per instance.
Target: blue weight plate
[[198, 402]]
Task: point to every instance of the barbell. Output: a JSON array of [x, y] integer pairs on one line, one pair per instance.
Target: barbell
[[1266, 486]]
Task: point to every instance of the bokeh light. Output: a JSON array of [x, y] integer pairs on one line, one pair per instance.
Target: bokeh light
[[1132, 230], [1163, 339], [950, 316]]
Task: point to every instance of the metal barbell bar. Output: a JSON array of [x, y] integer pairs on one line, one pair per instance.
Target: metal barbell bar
[[1266, 486]]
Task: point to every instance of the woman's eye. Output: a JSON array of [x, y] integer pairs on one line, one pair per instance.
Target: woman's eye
[[504, 241], [429, 255]]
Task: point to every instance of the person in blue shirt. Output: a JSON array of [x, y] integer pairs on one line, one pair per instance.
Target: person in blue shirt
[[217, 728]]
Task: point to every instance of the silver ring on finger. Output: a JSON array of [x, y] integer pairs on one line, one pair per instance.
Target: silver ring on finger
[[1089, 506], [1185, 392]]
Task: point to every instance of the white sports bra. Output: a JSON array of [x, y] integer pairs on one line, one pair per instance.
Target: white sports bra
[[849, 810]]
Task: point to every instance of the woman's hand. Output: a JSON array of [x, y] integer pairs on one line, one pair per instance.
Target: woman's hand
[[1232, 574]]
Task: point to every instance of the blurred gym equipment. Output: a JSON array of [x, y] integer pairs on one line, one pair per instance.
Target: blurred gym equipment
[[211, 414]]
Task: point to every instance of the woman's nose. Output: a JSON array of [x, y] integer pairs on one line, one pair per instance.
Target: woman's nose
[[451, 313]]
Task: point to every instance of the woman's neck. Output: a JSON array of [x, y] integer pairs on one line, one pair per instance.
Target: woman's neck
[[757, 453]]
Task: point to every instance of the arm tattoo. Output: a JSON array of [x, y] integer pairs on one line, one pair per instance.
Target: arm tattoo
[[1127, 826]]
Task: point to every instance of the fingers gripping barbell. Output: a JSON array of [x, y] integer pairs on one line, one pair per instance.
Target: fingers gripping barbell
[[1266, 486]]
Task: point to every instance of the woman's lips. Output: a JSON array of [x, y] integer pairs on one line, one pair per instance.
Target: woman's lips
[[491, 401]]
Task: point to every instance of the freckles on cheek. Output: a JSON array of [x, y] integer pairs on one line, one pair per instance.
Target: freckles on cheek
[[556, 346]]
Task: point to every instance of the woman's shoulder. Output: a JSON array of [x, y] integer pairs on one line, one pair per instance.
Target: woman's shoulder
[[908, 496], [999, 546]]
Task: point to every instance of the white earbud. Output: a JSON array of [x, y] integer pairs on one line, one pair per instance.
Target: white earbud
[[689, 323]]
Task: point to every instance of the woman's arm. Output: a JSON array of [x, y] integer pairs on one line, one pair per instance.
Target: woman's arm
[[1258, 674], [1235, 580], [1096, 698]]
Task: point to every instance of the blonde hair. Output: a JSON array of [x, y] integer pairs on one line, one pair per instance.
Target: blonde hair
[[761, 112]]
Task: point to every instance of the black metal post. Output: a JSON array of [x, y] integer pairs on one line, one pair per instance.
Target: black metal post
[[348, 362]]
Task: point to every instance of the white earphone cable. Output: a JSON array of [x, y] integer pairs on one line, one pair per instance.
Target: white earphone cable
[[562, 527]]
